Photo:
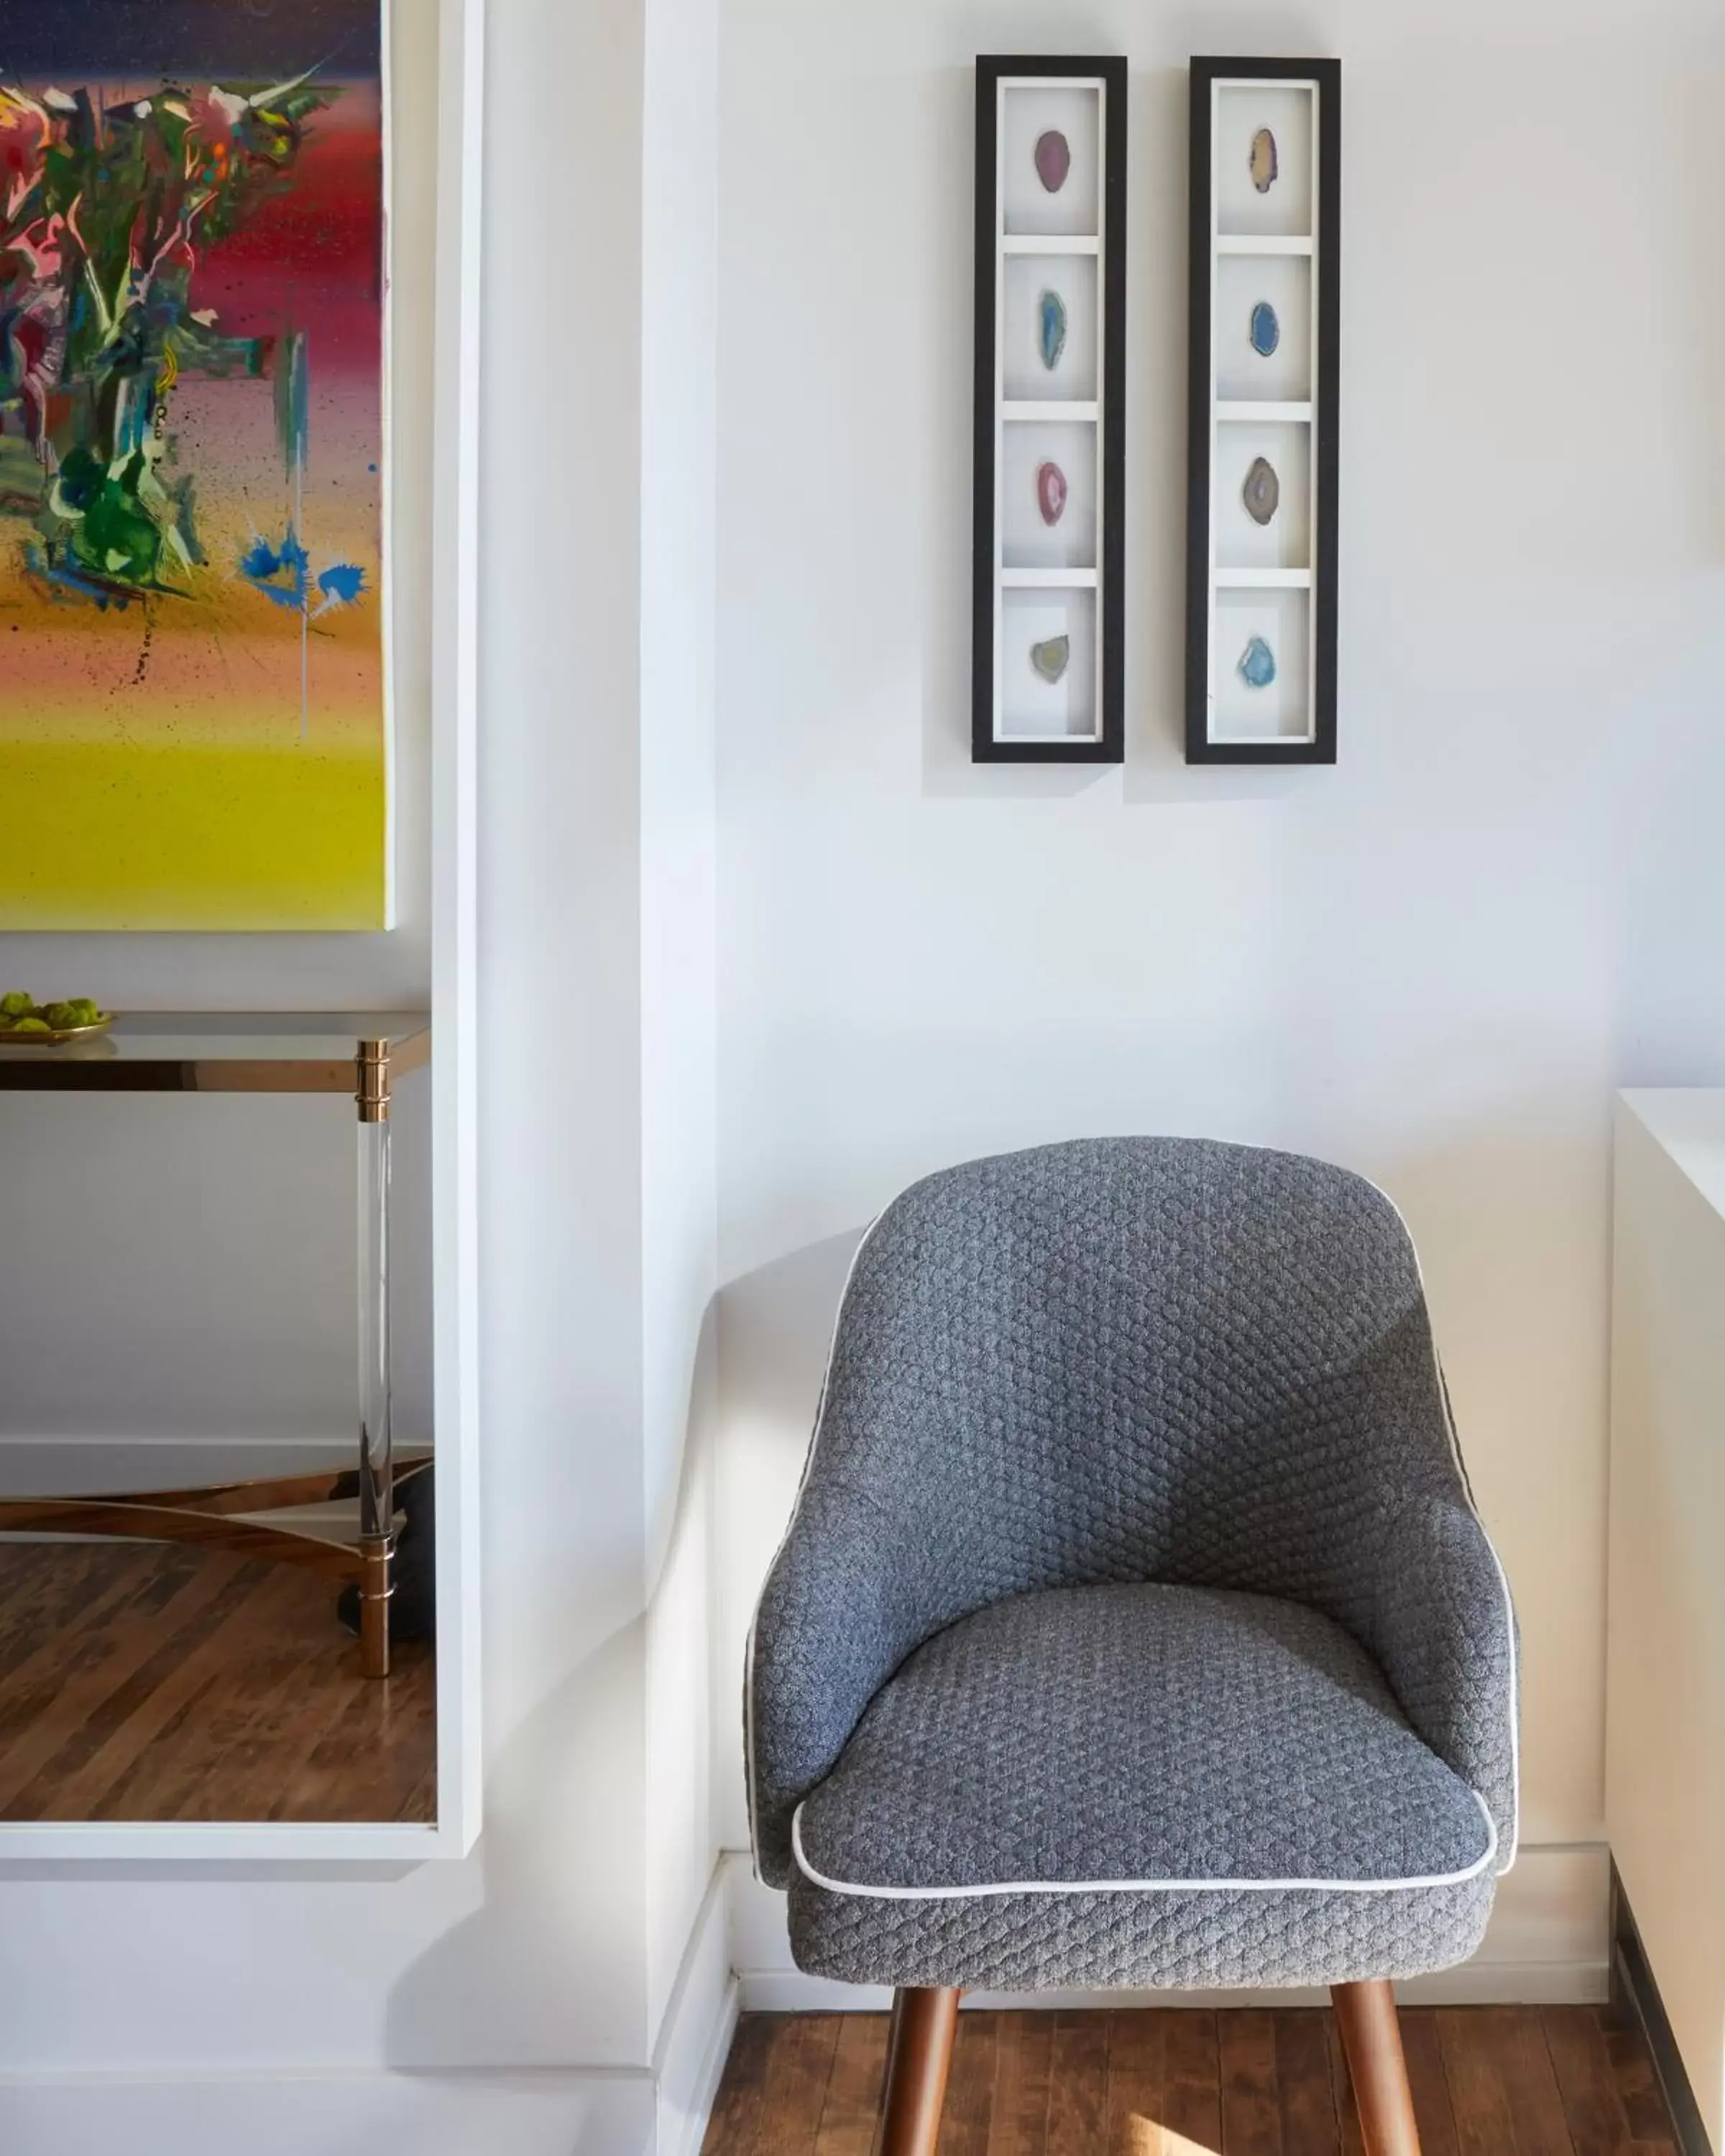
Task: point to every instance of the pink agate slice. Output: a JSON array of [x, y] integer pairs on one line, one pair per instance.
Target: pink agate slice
[[1054, 160]]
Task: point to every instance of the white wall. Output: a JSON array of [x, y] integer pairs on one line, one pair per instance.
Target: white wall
[[525, 1992], [679, 957], [1432, 963]]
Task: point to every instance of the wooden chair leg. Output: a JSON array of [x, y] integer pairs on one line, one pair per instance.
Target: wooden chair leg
[[924, 2019], [1371, 2038]]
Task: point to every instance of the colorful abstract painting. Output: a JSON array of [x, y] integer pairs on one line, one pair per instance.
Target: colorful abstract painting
[[193, 720]]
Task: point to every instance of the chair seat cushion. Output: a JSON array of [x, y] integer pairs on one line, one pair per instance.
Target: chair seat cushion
[[1233, 1766]]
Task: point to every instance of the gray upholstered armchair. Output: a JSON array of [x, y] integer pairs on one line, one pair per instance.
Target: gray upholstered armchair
[[1135, 1626]]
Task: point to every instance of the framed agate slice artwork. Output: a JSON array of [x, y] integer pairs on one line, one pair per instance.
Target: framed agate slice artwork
[[1261, 544], [195, 728], [1048, 644]]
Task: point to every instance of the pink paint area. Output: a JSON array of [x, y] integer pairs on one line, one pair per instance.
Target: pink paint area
[[312, 259]]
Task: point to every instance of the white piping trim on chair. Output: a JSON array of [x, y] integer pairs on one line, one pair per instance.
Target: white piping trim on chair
[[1462, 1475], [1509, 1622], [749, 1652], [1148, 1886], [1461, 1465]]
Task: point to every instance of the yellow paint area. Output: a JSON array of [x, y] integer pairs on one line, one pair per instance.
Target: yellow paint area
[[203, 759], [106, 834]]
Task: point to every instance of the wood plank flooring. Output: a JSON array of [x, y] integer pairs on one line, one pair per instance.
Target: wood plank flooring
[[150, 1681], [1562, 2080]]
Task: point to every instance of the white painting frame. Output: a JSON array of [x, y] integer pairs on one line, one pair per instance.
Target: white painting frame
[[455, 325]]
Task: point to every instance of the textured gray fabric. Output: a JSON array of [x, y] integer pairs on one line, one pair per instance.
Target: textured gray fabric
[[1161, 1734], [1152, 1941], [1131, 1360]]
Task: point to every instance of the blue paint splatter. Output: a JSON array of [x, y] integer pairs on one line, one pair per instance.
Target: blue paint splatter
[[281, 573], [45, 563], [342, 584], [293, 406]]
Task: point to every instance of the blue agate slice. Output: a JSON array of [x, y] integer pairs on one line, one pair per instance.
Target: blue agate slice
[[1052, 316], [1266, 331], [1257, 664]]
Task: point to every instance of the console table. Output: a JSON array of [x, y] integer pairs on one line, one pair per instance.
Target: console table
[[360, 1054]]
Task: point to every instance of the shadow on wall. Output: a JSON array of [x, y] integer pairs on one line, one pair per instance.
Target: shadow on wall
[[598, 1844], [560, 1901], [1512, 1225], [775, 1328]]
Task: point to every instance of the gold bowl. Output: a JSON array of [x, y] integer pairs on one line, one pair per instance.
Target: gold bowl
[[10, 1037]]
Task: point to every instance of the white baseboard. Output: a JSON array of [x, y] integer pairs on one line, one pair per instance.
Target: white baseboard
[[548, 2113], [1546, 1945], [82, 1466], [695, 2041]]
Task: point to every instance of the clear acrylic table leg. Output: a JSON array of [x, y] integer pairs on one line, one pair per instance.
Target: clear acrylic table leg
[[376, 1469]]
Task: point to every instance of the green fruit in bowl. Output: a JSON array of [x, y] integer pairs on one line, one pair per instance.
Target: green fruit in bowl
[[89, 1014], [16, 1005], [32, 1025], [62, 1017]]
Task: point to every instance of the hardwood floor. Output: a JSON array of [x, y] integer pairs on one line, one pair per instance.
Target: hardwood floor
[[1565, 2081], [150, 1681]]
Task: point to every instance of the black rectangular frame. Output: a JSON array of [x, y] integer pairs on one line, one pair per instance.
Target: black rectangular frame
[[1327, 74], [1110, 531]]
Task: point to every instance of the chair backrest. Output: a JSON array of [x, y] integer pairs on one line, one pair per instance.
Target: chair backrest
[[1136, 1359]]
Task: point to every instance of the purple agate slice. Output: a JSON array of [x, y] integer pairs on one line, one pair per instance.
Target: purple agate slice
[[1054, 160], [1050, 492]]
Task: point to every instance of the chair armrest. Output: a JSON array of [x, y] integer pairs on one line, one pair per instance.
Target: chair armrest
[[1441, 1623], [850, 1594]]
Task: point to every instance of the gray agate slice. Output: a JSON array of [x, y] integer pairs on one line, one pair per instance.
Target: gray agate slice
[[1050, 658], [1262, 491]]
